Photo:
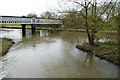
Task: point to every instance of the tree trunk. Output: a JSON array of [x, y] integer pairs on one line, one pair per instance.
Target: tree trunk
[[90, 39], [95, 23], [93, 37]]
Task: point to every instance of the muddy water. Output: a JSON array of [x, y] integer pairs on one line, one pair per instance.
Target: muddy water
[[52, 55]]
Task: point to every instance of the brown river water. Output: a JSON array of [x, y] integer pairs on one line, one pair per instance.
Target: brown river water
[[52, 55]]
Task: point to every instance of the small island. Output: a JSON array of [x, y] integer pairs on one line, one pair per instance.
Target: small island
[[104, 50]]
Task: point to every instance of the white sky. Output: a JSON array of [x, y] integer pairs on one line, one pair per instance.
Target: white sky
[[23, 7]]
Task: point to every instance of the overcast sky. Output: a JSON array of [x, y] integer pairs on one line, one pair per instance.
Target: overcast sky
[[23, 7]]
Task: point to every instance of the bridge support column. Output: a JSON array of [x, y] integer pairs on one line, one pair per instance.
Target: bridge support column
[[33, 28], [23, 29], [58, 26]]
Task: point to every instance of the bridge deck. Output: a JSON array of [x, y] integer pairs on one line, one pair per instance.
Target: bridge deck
[[26, 20]]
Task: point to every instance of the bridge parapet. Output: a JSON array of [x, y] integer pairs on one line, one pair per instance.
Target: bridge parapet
[[47, 21], [14, 20], [21, 20]]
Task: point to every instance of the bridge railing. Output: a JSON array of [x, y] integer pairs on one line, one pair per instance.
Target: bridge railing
[[47, 21], [21, 20], [15, 20]]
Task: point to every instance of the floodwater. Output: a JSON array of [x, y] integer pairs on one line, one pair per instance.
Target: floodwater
[[51, 55]]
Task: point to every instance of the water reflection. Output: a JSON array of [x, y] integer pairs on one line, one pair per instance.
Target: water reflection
[[89, 59], [53, 55]]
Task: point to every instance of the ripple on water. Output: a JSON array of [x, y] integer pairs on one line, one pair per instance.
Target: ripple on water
[[6, 65], [52, 55]]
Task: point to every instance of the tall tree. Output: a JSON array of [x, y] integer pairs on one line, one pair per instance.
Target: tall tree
[[94, 15]]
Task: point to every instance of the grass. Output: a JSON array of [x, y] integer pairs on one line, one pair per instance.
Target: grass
[[84, 47], [104, 50], [5, 44], [15, 25], [108, 31]]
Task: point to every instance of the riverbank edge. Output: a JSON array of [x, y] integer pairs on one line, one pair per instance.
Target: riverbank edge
[[6, 47], [105, 56], [54, 29]]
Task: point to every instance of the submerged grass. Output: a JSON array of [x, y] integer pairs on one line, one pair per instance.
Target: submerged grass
[[84, 47], [104, 50], [5, 44]]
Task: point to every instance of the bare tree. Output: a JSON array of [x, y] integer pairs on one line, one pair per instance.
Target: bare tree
[[93, 13]]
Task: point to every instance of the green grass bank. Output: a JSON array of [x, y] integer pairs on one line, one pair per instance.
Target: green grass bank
[[104, 50], [5, 44]]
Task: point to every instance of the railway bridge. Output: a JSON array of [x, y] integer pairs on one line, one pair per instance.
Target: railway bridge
[[27, 20]]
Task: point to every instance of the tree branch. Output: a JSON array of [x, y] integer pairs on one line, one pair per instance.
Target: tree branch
[[104, 10]]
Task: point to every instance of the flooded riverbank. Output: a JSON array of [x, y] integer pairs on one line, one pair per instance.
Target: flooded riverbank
[[5, 45], [52, 55]]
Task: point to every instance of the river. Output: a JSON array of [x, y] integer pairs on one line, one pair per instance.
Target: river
[[51, 55]]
